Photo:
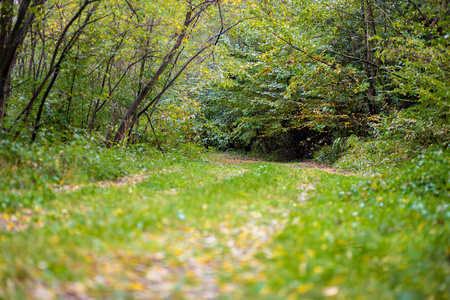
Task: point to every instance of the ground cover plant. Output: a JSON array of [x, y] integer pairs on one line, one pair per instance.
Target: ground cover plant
[[228, 227]]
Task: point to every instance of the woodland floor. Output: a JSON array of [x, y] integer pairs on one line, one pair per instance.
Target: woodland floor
[[221, 228]]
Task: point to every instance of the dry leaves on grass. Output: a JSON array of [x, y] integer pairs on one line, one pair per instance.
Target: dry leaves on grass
[[313, 165], [232, 159], [191, 263], [129, 180]]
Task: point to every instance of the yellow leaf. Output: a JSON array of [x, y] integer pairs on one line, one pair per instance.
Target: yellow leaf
[[421, 226], [136, 286], [227, 266], [317, 269], [54, 240], [305, 288]]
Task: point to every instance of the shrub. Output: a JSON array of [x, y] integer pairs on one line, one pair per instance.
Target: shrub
[[427, 174], [396, 140]]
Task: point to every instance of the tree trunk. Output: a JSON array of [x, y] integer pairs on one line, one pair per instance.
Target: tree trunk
[[6, 64], [127, 121], [443, 9], [12, 37], [56, 69], [369, 31]]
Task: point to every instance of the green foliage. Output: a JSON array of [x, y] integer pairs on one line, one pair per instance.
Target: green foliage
[[421, 126], [104, 66], [341, 69], [372, 155], [396, 140], [249, 108], [28, 171], [173, 122], [427, 174]]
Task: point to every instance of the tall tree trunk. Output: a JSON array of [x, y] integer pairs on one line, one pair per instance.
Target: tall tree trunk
[[56, 69], [13, 29], [128, 121], [369, 31], [443, 9], [55, 63], [6, 17]]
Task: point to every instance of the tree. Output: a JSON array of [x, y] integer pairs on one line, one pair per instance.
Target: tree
[[346, 64], [16, 18], [193, 15]]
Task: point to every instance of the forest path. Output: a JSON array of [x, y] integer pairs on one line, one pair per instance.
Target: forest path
[[196, 230], [225, 227], [229, 159]]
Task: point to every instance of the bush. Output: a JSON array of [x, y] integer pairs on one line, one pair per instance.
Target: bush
[[28, 171], [428, 174], [419, 126], [374, 155], [396, 140]]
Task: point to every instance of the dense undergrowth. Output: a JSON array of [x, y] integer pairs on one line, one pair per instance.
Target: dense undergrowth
[[393, 142], [28, 172], [408, 152]]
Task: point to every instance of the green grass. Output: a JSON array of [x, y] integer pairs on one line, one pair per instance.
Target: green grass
[[227, 231], [384, 246]]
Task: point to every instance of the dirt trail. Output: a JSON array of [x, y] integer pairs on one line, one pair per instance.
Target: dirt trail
[[18, 223], [220, 159], [230, 159], [129, 180]]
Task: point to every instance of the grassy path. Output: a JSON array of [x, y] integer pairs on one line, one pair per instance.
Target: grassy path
[[221, 228]]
